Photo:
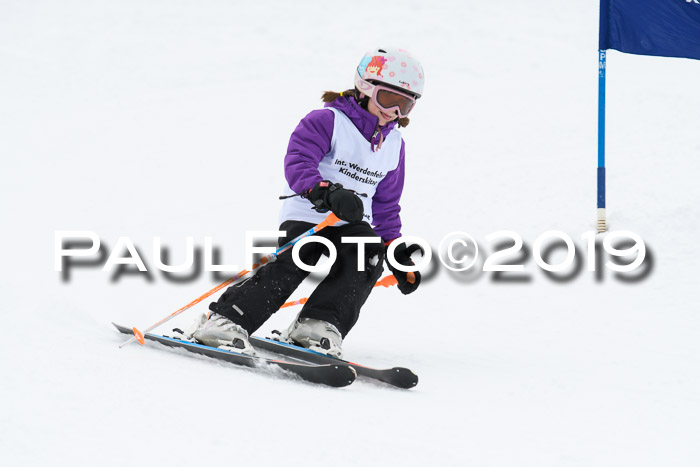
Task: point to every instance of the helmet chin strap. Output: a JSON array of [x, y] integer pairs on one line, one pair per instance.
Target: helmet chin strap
[[381, 138], [363, 101]]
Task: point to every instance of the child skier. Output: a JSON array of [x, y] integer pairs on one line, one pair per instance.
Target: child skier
[[347, 158]]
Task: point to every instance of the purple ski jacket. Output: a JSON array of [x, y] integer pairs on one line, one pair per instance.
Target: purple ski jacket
[[311, 141]]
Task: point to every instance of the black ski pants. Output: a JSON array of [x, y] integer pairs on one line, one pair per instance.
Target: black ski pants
[[337, 299]]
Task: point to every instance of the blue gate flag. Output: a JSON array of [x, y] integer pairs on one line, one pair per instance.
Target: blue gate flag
[[667, 28]]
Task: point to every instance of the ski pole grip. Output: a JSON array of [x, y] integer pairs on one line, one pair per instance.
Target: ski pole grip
[[411, 278]]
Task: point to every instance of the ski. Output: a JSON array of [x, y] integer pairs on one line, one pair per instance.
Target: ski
[[335, 374], [398, 377]]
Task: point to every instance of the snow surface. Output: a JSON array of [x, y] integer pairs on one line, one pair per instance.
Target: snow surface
[[170, 118]]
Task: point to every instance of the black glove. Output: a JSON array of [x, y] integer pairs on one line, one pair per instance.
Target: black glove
[[407, 281], [328, 196]]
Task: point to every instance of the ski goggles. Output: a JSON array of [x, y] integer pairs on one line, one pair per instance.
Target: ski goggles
[[387, 99]]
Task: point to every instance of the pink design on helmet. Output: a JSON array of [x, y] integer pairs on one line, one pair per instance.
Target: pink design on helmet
[[382, 65], [375, 66]]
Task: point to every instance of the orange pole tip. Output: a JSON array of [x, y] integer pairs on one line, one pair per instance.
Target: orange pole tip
[[139, 336], [411, 278]]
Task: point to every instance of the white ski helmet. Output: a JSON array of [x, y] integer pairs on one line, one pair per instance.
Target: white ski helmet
[[392, 67]]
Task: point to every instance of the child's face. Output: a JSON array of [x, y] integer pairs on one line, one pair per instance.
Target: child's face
[[383, 117]]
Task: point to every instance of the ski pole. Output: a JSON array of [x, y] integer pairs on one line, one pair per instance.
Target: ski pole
[[331, 220], [388, 281]]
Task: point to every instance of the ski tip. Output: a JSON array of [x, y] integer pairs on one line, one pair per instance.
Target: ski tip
[[139, 336]]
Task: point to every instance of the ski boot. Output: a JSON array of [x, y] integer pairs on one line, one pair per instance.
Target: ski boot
[[314, 334], [186, 335], [219, 331]]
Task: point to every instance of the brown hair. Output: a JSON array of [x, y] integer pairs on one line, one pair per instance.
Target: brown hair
[[330, 96]]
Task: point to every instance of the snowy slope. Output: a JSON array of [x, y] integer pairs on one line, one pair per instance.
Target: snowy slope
[[171, 118]]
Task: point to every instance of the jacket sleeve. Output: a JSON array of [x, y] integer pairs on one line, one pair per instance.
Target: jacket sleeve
[[385, 202], [309, 143]]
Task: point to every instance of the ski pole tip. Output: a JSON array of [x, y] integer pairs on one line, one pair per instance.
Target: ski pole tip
[[138, 335]]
